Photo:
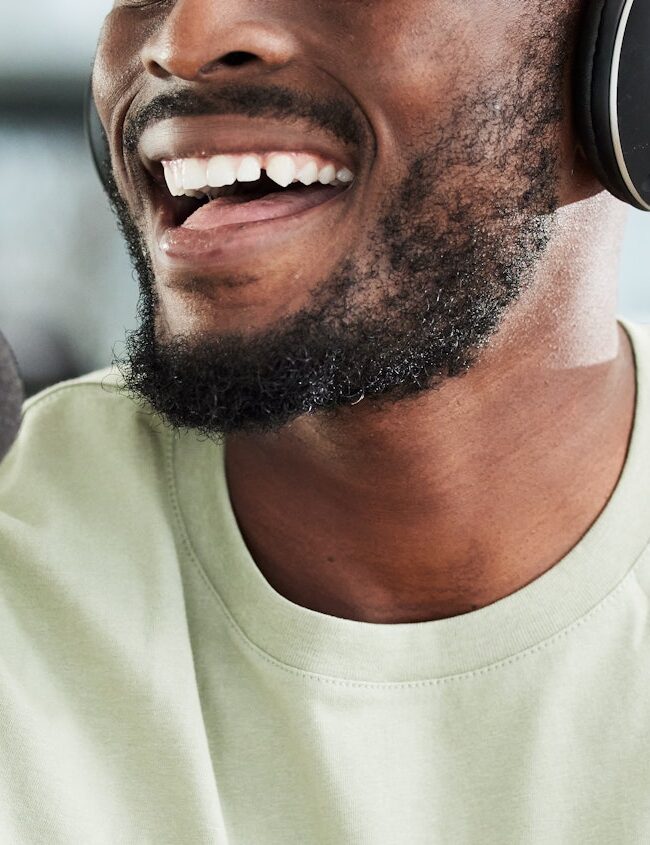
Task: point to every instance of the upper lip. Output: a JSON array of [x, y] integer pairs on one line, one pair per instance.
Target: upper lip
[[205, 136]]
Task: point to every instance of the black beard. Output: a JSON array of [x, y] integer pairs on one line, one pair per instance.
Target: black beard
[[446, 263]]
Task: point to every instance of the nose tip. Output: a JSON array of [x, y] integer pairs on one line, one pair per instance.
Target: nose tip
[[185, 47]]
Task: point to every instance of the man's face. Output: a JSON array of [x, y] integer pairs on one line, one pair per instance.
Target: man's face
[[447, 113]]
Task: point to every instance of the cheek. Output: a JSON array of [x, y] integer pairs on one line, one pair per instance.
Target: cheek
[[422, 66], [117, 62], [413, 68]]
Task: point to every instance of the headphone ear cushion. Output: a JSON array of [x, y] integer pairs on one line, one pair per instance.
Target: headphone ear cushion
[[587, 56], [96, 138]]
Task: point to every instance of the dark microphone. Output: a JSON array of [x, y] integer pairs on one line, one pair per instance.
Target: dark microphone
[[11, 397]]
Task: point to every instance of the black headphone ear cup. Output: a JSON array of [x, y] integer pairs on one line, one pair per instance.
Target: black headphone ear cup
[[97, 138], [611, 78]]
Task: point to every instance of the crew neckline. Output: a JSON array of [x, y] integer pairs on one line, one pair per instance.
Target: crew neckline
[[414, 652]]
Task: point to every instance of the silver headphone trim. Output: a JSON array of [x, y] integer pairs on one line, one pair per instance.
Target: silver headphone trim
[[613, 105]]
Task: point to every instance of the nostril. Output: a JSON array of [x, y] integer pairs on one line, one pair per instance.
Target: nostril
[[237, 57], [232, 59]]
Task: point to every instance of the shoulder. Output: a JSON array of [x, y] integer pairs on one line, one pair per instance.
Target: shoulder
[[77, 438], [85, 409], [86, 515], [88, 549]]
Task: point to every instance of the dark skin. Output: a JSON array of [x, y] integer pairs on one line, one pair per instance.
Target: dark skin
[[445, 503]]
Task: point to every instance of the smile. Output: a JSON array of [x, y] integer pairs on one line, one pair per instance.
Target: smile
[[226, 205]]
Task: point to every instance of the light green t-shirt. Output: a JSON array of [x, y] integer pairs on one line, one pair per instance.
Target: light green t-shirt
[[154, 688]]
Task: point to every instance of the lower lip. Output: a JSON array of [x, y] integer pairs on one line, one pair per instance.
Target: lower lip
[[182, 247]]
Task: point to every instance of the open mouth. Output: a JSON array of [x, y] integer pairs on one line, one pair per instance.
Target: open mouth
[[232, 191], [225, 190], [224, 195]]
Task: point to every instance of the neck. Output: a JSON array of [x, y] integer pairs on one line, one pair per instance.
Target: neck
[[446, 502]]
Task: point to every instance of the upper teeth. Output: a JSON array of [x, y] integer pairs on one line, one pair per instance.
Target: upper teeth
[[196, 176]]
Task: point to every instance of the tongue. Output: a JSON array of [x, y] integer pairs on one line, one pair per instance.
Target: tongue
[[239, 209]]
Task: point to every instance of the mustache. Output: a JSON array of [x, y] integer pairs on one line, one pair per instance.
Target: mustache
[[334, 116]]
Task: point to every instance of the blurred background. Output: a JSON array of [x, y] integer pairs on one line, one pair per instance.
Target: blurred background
[[67, 293]]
